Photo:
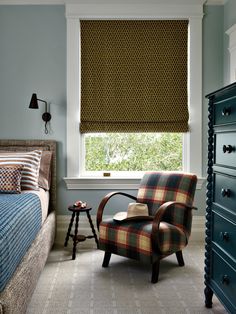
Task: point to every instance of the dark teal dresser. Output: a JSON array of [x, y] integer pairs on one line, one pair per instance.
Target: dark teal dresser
[[220, 254]]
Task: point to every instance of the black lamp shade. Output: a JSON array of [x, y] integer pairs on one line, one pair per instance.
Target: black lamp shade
[[34, 102]]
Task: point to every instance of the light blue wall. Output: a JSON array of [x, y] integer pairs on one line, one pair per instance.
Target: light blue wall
[[212, 62], [229, 20], [212, 48], [33, 59]]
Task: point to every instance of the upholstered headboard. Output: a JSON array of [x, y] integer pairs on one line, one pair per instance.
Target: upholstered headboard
[[28, 145]]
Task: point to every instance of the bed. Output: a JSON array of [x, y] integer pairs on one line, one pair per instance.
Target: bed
[[17, 291]]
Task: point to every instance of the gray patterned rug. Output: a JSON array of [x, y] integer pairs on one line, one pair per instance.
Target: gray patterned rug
[[82, 286]]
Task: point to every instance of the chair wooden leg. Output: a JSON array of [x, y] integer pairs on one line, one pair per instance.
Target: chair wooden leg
[[106, 259], [180, 259], [155, 271]]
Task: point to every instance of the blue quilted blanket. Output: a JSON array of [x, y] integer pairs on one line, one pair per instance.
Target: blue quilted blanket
[[20, 221]]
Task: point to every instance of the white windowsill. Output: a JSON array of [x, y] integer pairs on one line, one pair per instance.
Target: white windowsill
[[82, 183]]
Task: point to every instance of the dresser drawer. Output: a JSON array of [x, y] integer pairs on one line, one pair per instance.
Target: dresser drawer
[[223, 234], [225, 277], [225, 111], [225, 191], [225, 152]]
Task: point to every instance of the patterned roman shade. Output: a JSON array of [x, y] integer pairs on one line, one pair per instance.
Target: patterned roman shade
[[134, 76]]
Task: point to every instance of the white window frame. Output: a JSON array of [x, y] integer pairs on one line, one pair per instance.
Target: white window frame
[[192, 142]]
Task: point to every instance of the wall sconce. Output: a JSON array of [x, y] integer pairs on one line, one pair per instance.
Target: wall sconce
[[46, 115]]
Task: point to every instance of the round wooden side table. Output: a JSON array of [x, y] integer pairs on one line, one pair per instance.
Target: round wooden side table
[[78, 237]]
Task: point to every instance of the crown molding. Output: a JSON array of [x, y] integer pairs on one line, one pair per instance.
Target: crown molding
[[216, 2], [134, 10], [32, 2], [104, 2]]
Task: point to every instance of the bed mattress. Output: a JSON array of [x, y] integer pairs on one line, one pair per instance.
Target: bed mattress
[[20, 222]]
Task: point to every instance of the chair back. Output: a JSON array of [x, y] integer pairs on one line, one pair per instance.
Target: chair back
[[157, 188]]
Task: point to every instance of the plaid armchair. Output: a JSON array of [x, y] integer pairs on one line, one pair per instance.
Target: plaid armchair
[[169, 196]]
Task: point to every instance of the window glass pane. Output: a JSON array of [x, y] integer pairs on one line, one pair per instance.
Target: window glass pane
[[133, 151]]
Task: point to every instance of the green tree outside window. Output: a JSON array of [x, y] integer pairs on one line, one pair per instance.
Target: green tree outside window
[[133, 151]]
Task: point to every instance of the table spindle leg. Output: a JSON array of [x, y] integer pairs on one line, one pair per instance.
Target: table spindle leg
[[69, 229], [75, 235]]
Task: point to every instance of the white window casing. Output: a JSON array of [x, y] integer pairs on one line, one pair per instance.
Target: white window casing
[[192, 154], [231, 32]]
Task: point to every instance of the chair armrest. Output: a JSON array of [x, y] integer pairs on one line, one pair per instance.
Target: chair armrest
[[158, 217], [104, 202]]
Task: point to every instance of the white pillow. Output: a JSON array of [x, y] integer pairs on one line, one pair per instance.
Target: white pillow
[[30, 162]]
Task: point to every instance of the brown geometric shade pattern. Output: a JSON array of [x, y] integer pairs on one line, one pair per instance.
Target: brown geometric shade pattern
[[134, 76]]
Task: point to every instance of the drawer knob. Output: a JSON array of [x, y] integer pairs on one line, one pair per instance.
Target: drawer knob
[[225, 192], [225, 280], [226, 111], [224, 236], [227, 149]]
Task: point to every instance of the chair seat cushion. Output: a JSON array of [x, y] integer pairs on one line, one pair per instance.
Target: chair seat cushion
[[133, 239]]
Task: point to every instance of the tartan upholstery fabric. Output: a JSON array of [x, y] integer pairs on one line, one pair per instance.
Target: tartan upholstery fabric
[[157, 188], [133, 239]]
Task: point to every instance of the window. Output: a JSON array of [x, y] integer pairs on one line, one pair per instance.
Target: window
[[131, 152], [192, 141]]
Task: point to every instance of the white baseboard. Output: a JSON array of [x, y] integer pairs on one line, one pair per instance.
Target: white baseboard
[[84, 229], [197, 236], [198, 230]]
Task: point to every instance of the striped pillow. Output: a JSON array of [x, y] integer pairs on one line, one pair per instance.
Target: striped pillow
[[10, 178], [31, 164]]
